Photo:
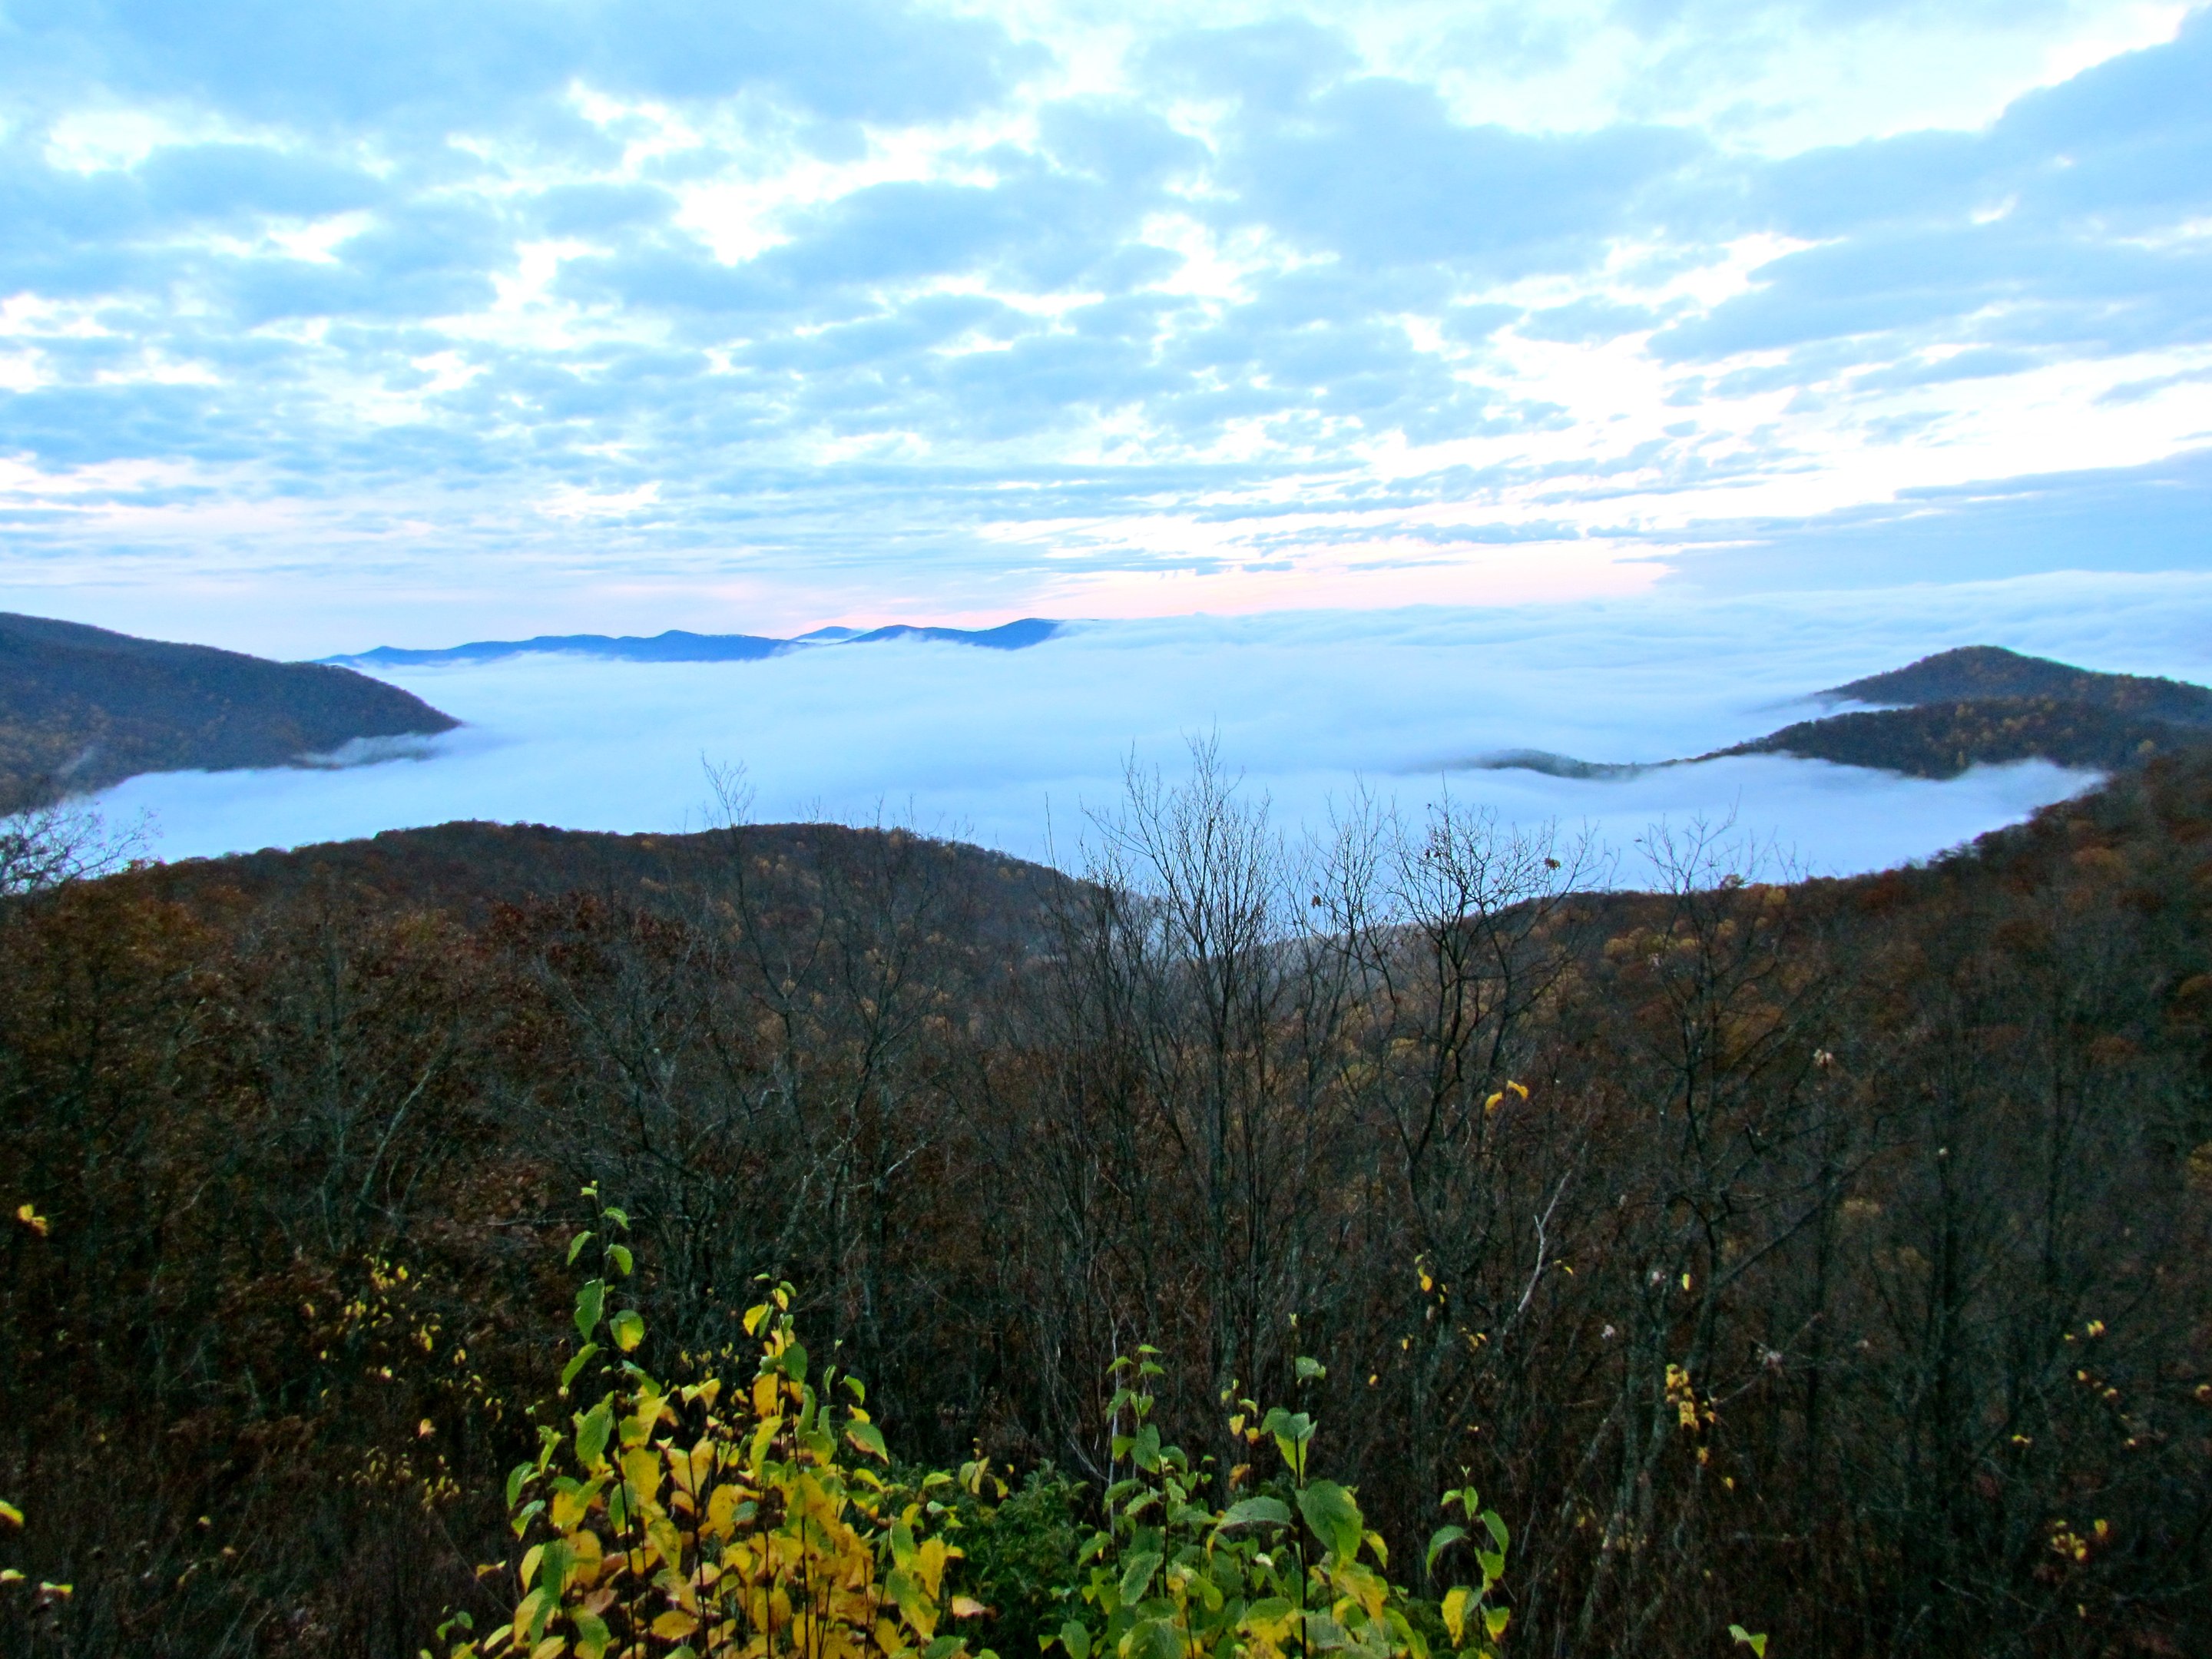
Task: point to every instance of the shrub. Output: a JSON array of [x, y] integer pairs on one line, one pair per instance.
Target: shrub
[[703, 1521]]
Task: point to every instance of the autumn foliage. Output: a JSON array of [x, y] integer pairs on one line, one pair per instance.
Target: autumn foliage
[[1829, 1259]]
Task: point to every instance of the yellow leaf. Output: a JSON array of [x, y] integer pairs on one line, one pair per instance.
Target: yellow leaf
[[569, 1507], [1454, 1612], [721, 1509], [674, 1625], [552, 1648], [666, 1540], [11, 1514], [31, 1218], [641, 1473], [930, 1558], [967, 1607]]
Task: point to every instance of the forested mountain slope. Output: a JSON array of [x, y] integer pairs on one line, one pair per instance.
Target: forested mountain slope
[[1981, 705], [1845, 1270], [471, 869], [82, 707], [1942, 739], [1978, 706], [1976, 672]]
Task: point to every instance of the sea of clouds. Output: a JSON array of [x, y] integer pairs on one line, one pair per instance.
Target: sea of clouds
[[1014, 749]]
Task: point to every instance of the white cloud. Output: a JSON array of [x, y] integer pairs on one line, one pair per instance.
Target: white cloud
[[1016, 306]]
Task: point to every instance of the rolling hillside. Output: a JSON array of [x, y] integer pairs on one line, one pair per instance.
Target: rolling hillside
[[1977, 672], [82, 709]]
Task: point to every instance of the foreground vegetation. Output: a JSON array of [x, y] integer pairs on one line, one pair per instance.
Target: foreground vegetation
[[1829, 1258]]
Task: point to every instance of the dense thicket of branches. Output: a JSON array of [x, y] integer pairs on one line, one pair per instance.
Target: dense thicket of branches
[[1843, 1269]]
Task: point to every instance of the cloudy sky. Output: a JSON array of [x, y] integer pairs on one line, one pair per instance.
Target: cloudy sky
[[410, 321]]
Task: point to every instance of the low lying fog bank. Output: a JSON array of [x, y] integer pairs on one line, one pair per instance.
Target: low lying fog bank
[[1010, 748]]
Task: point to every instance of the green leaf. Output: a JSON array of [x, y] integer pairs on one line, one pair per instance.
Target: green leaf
[[619, 1254], [516, 1476], [1291, 1430], [1445, 1538], [1493, 1565], [593, 1429], [1154, 1638], [1294, 1426], [1146, 1449], [533, 1613], [1076, 1640], [620, 1217], [1136, 1573], [1757, 1642], [795, 1364], [590, 1299], [553, 1566], [1497, 1528], [1310, 1371], [869, 1438], [627, 1329], [583, 1357], [1257, 1511], [576, 1245], [1494, 1620], [1335, 1518]]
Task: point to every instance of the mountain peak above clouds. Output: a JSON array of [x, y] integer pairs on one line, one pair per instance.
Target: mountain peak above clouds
[[678, 645], [1978, 705], [1972, 673]]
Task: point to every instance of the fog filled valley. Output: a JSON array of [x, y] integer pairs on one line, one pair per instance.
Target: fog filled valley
[[1010, 748], [1825, 1257]]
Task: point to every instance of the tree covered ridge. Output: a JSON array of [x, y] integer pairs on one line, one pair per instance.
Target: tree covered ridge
[[1981, 705], [82, 708], [1976, 672], [1942, 741], [1838, 1265]]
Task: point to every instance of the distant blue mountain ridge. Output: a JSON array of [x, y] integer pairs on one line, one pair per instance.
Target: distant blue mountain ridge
[[677, 645]]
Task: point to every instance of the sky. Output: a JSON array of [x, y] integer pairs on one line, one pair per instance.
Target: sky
[[409, 323]]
